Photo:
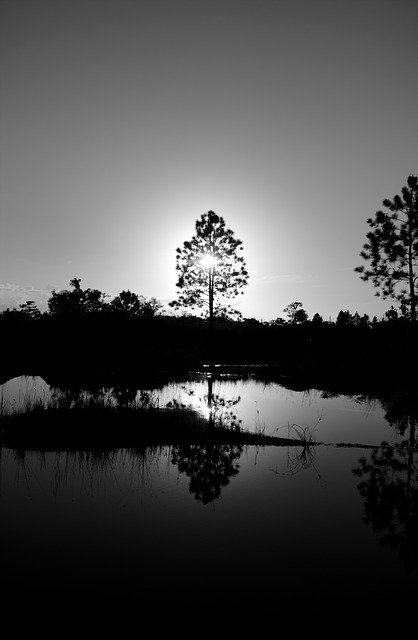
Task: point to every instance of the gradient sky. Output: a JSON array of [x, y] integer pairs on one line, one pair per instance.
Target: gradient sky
[[122, 121]]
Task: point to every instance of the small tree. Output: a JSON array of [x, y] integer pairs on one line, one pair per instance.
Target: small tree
[[76, 300], [295, 313], [131, 304], [317, 319], [211, 268], [30, 309], [392, 248], [391, 315], [149, 307], [126, 302], [344, 318]]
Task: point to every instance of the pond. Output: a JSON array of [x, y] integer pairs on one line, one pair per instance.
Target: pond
[[217, 528], [257, 405]]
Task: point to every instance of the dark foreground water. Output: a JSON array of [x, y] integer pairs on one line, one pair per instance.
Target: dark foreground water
[[218, 529]]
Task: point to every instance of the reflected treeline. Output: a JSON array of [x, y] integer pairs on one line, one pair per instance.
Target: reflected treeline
[[215, 406], [209, 467], [205, 459], [389, 483]]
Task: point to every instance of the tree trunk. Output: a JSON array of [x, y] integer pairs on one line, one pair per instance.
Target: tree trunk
[[411, 283], [210, 341], [411, 451]]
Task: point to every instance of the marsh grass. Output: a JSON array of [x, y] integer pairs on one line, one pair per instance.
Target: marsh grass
[[65, 422], [98, 423]]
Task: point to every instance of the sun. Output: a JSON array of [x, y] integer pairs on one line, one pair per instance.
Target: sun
[[208, 261]]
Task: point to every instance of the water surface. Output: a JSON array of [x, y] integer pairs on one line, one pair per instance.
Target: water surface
[[216, 529], [256, 405]]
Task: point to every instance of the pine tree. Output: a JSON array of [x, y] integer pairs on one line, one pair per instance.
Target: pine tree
[[296, 313], [211, 268], [392, 248]]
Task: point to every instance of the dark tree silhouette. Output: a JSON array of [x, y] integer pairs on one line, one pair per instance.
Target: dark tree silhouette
[[149, 307], [295, 313], [76, 300], [126, 302], [76, 284], [345, 319], [30, 309], [317, 319], [391, 315], [392, 248], [131, 304], [211, 269]]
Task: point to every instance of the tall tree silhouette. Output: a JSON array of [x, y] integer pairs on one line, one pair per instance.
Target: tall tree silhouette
[[392, 248], [211, 268]]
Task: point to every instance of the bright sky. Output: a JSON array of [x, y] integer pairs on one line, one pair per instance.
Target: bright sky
[[121, 122]]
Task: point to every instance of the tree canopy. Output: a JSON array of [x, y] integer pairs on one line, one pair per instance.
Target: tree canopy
[[131, 304], [76, 300], [391, 249], [296, 313], [211, 269]]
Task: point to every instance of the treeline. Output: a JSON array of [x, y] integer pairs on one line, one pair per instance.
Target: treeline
[[83, 333], [76, 302]]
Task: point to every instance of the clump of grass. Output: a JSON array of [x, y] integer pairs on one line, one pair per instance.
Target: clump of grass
[[303, 434], [302, 455]]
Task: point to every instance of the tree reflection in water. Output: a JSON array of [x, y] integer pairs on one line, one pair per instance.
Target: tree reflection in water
[[215, 407], [389, 484], [209, 467]]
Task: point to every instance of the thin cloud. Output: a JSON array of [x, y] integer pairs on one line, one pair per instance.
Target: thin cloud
[[13, 295]]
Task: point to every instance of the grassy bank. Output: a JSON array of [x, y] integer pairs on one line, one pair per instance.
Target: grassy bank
[[100, 424]]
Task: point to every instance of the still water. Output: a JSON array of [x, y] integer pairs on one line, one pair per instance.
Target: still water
[[217, 529], [268, 407]]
